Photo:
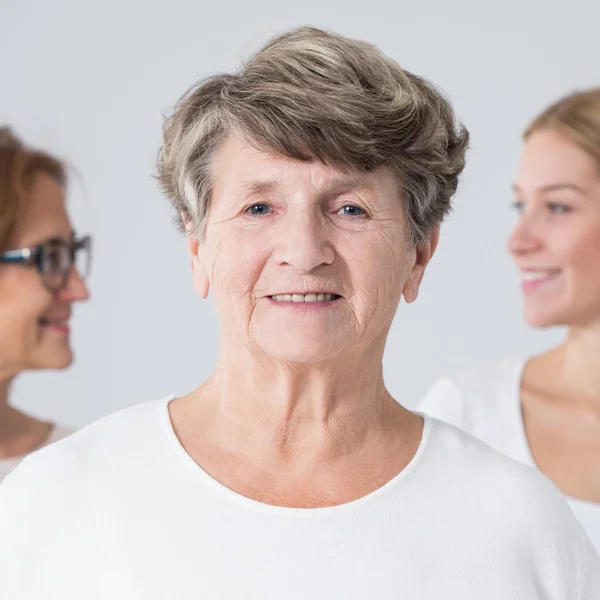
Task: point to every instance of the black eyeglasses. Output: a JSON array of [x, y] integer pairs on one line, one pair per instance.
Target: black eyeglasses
[[54, 260]]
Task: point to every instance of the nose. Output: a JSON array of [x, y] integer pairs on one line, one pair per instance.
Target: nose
[[304, 242], [524, 238], [75, 290]]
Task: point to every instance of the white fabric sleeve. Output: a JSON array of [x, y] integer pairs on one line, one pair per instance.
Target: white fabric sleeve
[[443, 401], [589, 588], [8, 564]]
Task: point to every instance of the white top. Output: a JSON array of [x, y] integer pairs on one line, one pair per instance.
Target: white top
[[119, 510], [8, 464], [487, 404]]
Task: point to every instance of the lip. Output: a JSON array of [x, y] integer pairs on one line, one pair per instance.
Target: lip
[[318, 291], [533, 269], [529, 286], [62, 326]]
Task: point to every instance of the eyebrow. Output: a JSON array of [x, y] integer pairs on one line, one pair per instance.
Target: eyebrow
[[260, 187], [48, 238], [557, 187], [337, 185]]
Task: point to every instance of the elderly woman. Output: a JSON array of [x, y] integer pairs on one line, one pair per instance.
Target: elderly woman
[[38, 286], [311, 185]]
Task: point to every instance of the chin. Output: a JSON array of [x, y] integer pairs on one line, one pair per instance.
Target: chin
[[542, 319], [56, 360], [301, 351]]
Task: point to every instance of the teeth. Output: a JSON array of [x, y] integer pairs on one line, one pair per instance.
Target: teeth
[[536, 275], [303, 297]]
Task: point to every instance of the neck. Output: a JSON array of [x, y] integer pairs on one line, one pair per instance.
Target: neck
[[19, 433], [328, 408], [4, 389], [7, 413], [579, 361]]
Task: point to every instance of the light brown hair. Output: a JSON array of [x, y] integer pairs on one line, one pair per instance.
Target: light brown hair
[[313, 95], [19, 165], [576, 116]]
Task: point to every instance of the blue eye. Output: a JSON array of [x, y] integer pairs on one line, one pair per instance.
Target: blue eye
[[351, 211], [258, 209]]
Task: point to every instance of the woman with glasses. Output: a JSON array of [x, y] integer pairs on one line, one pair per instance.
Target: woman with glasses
[[39, 283]]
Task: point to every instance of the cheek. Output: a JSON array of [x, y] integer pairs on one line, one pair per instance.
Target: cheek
[[378, 264], [23, 303], [237, 262], [583, 258], [22, 290]]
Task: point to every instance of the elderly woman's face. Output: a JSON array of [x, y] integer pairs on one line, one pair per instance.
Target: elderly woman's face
[[305, 261]]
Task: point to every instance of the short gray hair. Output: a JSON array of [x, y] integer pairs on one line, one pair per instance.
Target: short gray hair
[[314, 95]]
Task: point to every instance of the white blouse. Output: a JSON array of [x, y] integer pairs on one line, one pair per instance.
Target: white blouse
[[8, 464], [487, 404]]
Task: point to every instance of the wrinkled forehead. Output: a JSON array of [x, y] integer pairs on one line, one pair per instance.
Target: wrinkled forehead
[[242, 168]]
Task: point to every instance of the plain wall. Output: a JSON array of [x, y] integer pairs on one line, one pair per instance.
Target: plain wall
[[90, 81]]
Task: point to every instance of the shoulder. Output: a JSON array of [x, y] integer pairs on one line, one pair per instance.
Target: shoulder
[[68, 465], [514, 504], [475, 470], [58, 433], [469, 396]]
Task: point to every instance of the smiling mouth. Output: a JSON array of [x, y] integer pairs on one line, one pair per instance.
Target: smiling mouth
[[536, 276], [312, 297], [61, 322]]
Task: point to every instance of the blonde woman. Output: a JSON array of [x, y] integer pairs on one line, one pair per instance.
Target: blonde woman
[[38, 286], [545, 410]]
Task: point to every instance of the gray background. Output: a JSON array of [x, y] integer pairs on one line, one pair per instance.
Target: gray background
[[90, 80]]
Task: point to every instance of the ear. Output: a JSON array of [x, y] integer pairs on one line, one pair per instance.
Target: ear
[[199, 274], [424, 253]]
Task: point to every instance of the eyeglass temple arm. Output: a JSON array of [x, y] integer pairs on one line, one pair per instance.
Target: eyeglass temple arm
[[18, 256]]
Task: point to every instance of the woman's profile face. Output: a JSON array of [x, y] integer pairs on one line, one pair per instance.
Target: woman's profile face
[[305, 261], [556, 242], [34, 323]]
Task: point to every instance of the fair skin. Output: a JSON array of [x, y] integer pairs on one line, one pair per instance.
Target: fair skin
[[297, 413], [556, 245], [33, 321]]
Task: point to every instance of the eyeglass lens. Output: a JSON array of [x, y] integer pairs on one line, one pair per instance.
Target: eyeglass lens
[[57, 262]]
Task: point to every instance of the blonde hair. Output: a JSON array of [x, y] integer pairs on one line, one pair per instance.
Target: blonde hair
[[314, 95], [18, 167], [577, 116]]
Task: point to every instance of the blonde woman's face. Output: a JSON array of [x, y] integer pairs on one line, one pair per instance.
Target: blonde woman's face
[[305, 261], [556, 242]]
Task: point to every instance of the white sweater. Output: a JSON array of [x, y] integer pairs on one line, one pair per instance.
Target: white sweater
[[120, 511], [9, 464], [487, 404]]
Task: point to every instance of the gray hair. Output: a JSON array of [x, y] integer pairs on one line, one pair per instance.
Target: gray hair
[[314, 95]]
